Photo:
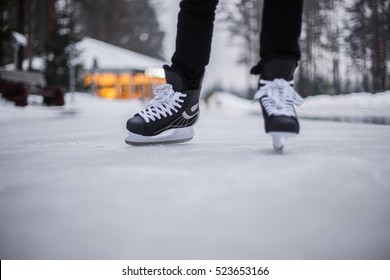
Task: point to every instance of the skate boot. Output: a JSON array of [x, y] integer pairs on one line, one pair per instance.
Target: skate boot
[[277, 99], [170, 115]]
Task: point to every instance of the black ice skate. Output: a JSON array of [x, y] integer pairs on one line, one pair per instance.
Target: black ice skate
[[278, 100], [170, 115]]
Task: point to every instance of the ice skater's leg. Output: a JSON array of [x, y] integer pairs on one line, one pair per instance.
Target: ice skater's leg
[[280, 31], [279, 56], [193, 39]]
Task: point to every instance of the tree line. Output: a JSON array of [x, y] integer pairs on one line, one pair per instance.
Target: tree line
[[345, 44]]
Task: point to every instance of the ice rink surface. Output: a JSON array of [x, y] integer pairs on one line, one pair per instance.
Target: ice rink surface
[[70, 188]]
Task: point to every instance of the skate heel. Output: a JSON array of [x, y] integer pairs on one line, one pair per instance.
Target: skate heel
[[279, 139]]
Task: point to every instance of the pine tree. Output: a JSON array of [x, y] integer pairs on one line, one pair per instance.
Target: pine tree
[[128, 24], [5, 29], [369, 41]]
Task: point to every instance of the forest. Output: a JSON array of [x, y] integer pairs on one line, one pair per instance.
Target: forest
[[345, 45], [53, 26]]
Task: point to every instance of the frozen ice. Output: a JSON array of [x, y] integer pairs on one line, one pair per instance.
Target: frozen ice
[[70, 188]]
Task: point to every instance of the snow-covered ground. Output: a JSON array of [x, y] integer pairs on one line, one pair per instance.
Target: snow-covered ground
[[356, 107], [71, 189]]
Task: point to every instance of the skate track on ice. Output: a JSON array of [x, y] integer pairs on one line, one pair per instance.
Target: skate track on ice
[[70, 188]]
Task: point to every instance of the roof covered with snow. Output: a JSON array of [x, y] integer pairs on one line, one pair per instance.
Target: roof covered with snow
[[112, 57]]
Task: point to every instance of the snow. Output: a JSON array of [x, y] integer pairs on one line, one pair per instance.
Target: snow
[[360, 100], [379, 100], [37, 63], [71, 189], [355, 107], [20, 39]]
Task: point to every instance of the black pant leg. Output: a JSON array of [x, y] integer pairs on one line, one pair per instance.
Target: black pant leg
[[280, 32], [281, 28], [194, 34]]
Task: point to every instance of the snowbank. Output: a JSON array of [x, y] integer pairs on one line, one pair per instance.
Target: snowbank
[[355, 107], [381, 100], [353, 100]]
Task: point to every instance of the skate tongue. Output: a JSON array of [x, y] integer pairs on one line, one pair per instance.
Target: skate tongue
[[279, 83], [163, 90], [161, 94], [175, 78]]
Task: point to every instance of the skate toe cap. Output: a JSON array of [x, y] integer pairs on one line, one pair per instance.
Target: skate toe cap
[[283, 124], [136, 125]]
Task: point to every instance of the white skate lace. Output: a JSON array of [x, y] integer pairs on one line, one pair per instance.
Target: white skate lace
[[165, 102], [278, 97]]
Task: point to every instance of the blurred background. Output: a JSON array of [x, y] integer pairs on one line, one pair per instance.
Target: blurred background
[[81, 45]]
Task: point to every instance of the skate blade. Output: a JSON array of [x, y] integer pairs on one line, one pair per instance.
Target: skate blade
[[171, 136], [279, 139]]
